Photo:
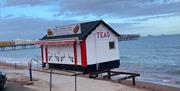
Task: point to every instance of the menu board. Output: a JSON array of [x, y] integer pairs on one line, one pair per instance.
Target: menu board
[[65, 30]]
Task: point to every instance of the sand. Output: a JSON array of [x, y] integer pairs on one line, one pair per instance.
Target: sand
[[67, 83], [60, 82]]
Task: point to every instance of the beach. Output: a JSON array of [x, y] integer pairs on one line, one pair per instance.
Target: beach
[[60, 82], [113, 45], [157, 63], [18, 80]]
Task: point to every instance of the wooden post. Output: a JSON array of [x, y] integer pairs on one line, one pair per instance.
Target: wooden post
[[109, 77], [15, 65], [96, 75], [133, 81]]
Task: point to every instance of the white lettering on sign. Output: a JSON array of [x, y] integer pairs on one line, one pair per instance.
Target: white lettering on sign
[[103, 34], [65, 30]]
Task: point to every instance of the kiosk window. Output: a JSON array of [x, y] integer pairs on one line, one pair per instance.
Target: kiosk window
[[111, 45]]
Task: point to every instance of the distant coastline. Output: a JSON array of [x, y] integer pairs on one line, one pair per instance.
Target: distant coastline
[[162, 35], [125, 37]]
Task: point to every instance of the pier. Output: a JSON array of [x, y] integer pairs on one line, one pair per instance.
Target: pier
[[17, 45]]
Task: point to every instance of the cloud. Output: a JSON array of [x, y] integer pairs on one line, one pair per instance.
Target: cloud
[[121, 8], [27, 28], [8, 16], [123, 15], [7, 3], [119, 26], [146, 18]]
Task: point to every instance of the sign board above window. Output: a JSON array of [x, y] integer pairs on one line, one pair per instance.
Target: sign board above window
[[65, 30]]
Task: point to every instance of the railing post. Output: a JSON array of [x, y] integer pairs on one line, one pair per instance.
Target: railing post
[[75, 82], [51, 80], [30, 70]]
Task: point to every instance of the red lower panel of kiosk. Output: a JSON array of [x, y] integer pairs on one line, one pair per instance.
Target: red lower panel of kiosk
[[83, 53]]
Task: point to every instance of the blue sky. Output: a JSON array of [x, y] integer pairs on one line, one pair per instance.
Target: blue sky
[[30, 19]]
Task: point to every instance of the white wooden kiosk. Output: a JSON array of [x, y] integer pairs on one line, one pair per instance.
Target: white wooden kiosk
[[86, 47]]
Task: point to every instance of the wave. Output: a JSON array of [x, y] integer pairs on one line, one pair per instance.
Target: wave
[[19, 61]]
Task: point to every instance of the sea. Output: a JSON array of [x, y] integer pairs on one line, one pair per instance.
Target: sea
[[155, 58]]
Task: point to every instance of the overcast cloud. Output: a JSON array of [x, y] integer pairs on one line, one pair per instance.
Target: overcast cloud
[[121, 8], [33, 17]]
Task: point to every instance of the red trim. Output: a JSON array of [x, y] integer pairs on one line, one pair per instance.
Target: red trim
[[46, 50], [75, 54], [83, 53], [42, 54], [71, 42]]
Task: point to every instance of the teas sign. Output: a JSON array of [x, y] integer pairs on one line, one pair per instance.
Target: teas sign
[[103, 34], [64, 30]]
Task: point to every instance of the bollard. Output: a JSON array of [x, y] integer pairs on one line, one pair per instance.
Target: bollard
[[47, 66]]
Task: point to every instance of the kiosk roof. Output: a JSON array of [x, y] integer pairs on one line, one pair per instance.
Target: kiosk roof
[[86, 29]]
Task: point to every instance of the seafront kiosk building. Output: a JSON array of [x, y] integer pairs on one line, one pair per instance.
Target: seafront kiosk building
[[86, 47]]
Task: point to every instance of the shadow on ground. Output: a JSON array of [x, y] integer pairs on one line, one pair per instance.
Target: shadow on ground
[[12, 86]]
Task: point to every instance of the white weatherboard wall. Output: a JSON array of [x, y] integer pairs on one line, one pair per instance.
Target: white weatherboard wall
[[60, 51], [98, 48], [60, 54], [78, 54]]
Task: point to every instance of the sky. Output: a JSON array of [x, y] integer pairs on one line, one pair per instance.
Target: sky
[[30, 19]]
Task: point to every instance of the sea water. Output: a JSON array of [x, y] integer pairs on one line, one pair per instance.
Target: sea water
[[20, 56], [156, 58]]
